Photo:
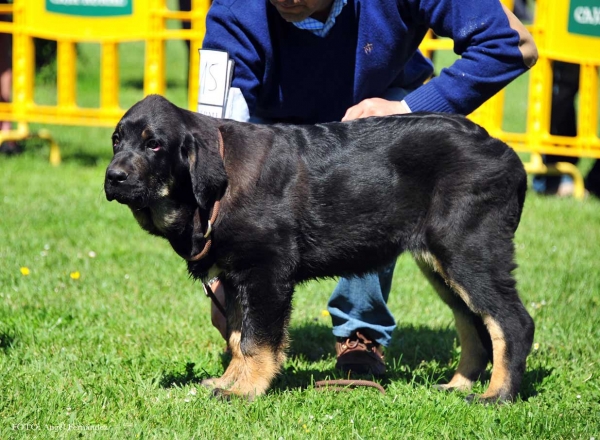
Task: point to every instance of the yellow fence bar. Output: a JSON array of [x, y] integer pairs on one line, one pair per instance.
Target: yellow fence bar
[[70, 23], [562, 30], [587, 120], [109, 76], [66, 75]]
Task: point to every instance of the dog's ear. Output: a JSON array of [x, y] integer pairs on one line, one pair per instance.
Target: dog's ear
[[201, 155]]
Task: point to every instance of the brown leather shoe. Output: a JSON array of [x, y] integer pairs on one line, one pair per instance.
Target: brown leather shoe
[[358, 354], [10, 148]]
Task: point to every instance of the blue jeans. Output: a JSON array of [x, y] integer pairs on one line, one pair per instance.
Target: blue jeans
[[549, 184], [360, 303]]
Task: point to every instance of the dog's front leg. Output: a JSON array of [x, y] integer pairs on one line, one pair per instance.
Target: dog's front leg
[[257, 319]]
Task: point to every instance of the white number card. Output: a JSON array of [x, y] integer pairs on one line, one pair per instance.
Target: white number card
[[216, 71]]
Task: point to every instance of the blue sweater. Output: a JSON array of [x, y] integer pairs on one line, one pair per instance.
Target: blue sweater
[[289, 74]]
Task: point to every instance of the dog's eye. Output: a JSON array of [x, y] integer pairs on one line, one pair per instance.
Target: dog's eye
[[153, 145], [115, 140]]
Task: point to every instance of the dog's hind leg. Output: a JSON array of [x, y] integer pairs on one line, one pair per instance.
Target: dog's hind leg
[[475, 342], [257, 326], [477, 267]]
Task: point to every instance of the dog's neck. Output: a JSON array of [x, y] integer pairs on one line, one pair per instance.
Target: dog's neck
[[186, 226], [166, 218], [183, 225], [213, 216]]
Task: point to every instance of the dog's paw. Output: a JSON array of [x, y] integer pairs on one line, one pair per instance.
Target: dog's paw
[[444, 387], [211, 383], [221, 394], [455, 385], [487, 400], [226, 395]]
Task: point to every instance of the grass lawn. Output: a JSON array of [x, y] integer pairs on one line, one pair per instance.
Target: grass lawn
[[103, 335]]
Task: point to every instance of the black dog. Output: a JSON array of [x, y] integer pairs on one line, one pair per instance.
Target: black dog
[[291, 203]]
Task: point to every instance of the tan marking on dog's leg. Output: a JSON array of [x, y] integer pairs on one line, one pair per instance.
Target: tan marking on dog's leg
[[500, 381], [435, 264], [233, 369], [430, 261], [473, 356], [458, 382], [463, 294], [249, 375], [281, 356], [256, 370]]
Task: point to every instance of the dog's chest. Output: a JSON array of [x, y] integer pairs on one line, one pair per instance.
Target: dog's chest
[[164, 217]]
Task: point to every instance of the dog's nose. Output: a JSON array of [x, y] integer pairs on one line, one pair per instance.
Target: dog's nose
[[116, 175]]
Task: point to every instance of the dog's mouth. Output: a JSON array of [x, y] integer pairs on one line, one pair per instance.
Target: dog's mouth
[[125, 194], [123, 184]]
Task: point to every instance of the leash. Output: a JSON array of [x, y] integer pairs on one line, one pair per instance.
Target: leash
[[208, 243], [346, 385], [213, 218], [209, 292]]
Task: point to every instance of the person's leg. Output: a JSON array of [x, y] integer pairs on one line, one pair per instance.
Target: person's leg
[[6, 147], [186, 6], [5, 73], [359, 312], [362, 321], [592, 180], [359, 304], [563, 121]]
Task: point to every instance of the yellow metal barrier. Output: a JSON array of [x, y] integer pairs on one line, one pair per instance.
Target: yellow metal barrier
[[564, 30], [489, 114], [106, 23]]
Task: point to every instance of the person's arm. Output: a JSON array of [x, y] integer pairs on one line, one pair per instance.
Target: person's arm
[[225, 32], [376, 107], [494, 46], [218, 320]]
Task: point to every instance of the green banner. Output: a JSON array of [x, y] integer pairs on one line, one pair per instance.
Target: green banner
[[91, 8], [584, 17]]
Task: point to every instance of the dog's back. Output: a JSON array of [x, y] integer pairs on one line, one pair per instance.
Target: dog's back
[[392, 180]]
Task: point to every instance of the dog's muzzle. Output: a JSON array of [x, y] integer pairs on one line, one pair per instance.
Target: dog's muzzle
[[123, 187]]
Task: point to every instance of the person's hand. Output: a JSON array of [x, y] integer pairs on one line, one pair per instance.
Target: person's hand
[[218, 320], [375, 107]]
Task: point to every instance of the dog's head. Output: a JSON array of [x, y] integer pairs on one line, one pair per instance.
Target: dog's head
[[162, 151]]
